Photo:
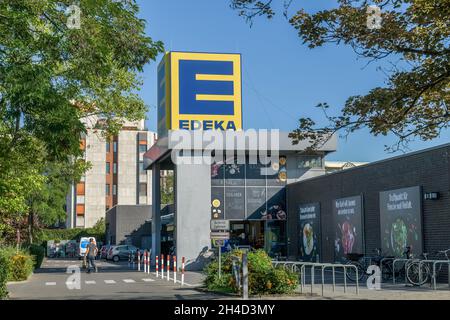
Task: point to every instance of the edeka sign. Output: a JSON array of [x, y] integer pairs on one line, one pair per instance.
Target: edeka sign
[[199, 91]]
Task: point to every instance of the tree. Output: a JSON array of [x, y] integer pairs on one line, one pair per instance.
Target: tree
[[57, 67], [167, 190], [415, 101]]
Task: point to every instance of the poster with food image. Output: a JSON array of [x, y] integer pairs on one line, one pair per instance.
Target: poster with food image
[[401, 221], [217, 174], [217, 203], [310, 232], [276, 204], [279, 170], [348, 225], [234, 174]]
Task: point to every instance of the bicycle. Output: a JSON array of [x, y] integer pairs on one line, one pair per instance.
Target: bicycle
[[418, 273]]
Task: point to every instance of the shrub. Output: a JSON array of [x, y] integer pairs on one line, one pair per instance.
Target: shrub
[[38, 252], [4, 267], [20, 264], [263, 277]]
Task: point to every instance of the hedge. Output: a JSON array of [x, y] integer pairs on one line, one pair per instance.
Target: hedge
[[39, 253], [4, 267], [264, 278]]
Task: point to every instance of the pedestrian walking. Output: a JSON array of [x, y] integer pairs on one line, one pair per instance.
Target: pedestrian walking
[[91, 253]]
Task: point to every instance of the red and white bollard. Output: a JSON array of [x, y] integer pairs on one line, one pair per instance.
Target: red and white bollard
[[157, 266], [168, 267], [174, 269], [182, 271], [145, 261], [149, 261], [139, 260], [163, 266]]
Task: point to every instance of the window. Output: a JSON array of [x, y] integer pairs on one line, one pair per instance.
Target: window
[[142, 148], [114, 167], [108, 168], [114, 189], [308, 162], [141, 167], [80, 199], [107, 191], [142, 189], [108, 146], [115, 146]]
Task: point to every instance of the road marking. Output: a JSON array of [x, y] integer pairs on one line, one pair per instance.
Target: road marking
[[90, 282], [128, 280], [148, 280], [110, 281], [50, 283]]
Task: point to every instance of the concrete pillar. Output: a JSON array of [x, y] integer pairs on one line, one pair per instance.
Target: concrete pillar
[[156, 211], [192, 213]]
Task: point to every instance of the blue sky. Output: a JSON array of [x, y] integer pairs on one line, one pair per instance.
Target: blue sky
[[282, 79]]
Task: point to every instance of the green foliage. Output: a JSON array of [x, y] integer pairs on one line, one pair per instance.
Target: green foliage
[[414, 103], [167, 189], [51, 78], [38, 252], [20, 264], [98, 231], [263, 277], [4, 265]]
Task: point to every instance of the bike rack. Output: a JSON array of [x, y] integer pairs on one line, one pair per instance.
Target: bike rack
[[381, 265], [295, 266], [434, 275], [406, 264]]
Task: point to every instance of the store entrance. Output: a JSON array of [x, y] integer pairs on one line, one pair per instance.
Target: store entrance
[[259, 234]]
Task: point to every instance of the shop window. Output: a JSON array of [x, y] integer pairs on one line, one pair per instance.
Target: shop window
[[309, 162]]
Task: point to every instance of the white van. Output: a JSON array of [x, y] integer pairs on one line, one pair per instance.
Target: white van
[[84, 241]]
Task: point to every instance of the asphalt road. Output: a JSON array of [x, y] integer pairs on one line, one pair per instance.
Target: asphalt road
[[113, 281]]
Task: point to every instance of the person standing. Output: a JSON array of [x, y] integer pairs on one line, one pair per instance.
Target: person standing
[[91, 253]]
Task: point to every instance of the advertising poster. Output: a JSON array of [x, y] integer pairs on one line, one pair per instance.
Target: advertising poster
[[256, 202], [279, 178], [276, 204], [217, 174], [254, 176], [235, 174], [348, 224], [401, 221], [217, 201], [310, 232], [235, 203]]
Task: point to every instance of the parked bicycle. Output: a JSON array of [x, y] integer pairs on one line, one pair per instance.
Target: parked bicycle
[[419, 272], [362, 262]]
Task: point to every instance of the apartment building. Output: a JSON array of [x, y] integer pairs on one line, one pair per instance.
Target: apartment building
[[117, 175]]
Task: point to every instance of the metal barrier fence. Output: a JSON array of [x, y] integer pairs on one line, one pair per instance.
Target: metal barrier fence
[[301, 266]]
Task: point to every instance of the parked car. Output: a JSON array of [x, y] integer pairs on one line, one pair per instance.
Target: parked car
[[122, 252], [103, 252]]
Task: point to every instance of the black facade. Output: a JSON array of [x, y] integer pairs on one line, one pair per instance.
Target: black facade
[[129, 224], [428, 169]]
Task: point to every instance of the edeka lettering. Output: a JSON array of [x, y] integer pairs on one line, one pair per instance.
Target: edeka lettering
[[207, 125]]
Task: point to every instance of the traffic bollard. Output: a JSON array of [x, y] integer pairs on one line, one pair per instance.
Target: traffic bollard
[[174, 269], [145, 261], [157, 266], [163, 266], [182, 271], [129, 260], [139, 261], [168, 267]]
